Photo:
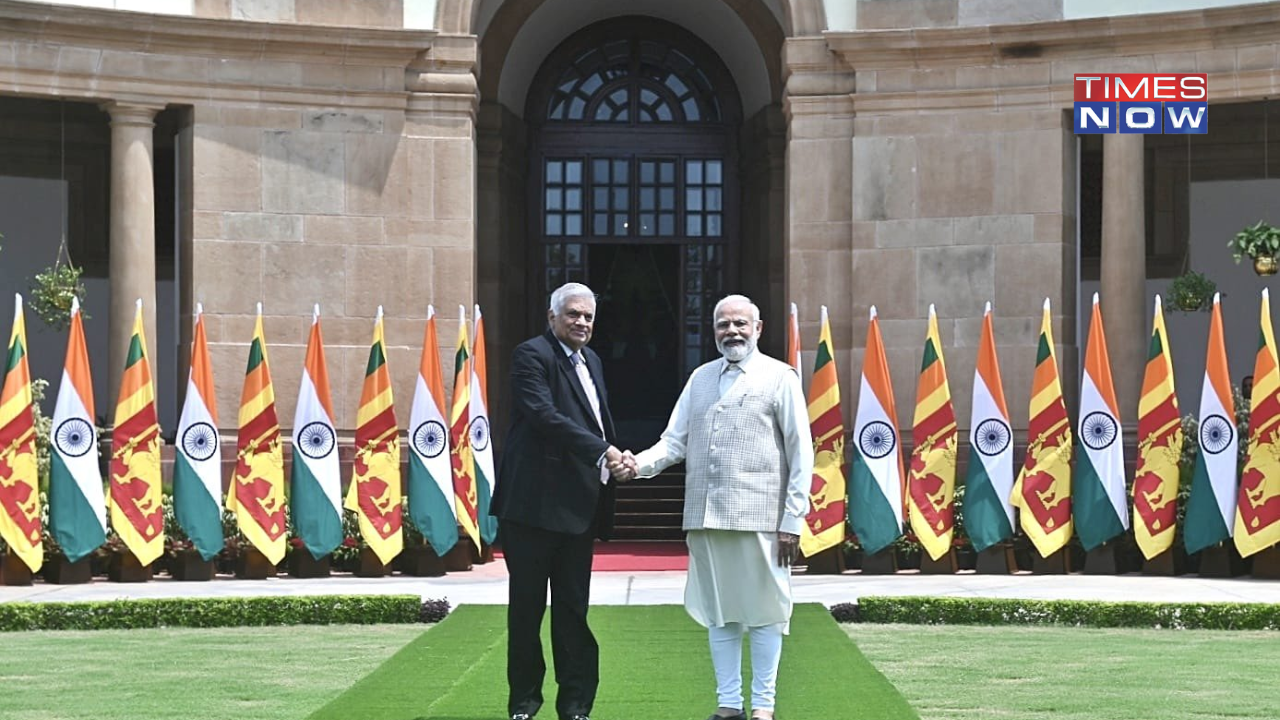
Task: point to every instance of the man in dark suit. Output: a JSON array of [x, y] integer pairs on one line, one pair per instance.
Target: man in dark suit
[[554, 496]]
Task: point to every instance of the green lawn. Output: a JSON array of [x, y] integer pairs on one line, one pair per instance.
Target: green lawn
[[1026, 673], [273, 673]]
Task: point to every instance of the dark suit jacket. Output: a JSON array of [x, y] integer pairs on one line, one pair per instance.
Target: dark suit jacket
[[548, 477]]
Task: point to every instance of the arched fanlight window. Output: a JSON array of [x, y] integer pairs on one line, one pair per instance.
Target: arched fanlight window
[[633, 82]]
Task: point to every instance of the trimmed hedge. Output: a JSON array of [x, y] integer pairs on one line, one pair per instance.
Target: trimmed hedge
[[220, 612], [1002, 611]]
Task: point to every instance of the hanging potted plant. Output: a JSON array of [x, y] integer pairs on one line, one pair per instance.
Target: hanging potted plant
[[1191, 292], [53, 289], [1259, 241]]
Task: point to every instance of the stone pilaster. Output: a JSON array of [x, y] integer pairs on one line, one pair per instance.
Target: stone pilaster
[[1123, 267], [132, 265]]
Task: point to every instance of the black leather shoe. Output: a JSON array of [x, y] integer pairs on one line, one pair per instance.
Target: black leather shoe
[[521, 716], [577, 717], [739, 716]]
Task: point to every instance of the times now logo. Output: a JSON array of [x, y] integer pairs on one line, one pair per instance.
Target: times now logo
[[1145, 103]]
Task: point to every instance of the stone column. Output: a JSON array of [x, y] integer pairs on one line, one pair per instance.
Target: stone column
[[1124, 271], [133, 233]]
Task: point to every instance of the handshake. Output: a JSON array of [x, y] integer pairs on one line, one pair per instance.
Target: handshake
[[621, 464]]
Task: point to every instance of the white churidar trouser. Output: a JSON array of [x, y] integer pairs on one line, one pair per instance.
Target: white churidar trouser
[[726, 658]]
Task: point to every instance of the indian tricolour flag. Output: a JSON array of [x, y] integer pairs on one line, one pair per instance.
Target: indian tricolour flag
[[1211, 508], [988, 514], [77, 505], [875, 483], [197, 468], [481, 446], [315, 481], [431, 504], [1098, 493]]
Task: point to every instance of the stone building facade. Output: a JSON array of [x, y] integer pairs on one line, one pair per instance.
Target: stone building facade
[[401, 153]]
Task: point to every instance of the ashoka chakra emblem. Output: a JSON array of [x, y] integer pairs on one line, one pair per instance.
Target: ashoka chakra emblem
[[1098, 430], [992, 437], [1216, 434], [74, 437], [480, 433], [876, 440], [200, 441], [429, 438], [316, 440]]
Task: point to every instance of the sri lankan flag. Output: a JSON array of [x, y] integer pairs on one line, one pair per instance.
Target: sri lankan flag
[[931, 479], [19, 470], [1258, 504], [77, 506], [374, 493], [1043, 489], [1155, 484], [793, 338], [464, 479], [824, 525], [137, 512], [256, 494]]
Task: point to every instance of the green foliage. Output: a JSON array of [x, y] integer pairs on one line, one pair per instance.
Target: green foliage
[[1255, 240], [1191, 292], [52, 292], [1007, 611], [44, 426], [218, 612]]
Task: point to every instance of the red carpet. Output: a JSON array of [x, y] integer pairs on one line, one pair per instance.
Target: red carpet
[[633, 556], [636, 556]]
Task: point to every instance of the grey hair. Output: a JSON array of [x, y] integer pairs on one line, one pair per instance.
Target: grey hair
[[727, 299], [567, 292]]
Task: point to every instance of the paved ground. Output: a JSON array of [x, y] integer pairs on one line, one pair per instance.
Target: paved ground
[[487, 585]]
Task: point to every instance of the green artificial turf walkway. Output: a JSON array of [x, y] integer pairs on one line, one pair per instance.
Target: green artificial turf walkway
[[654, 665]]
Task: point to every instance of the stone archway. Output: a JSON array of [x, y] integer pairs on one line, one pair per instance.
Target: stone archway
[[801, 18]]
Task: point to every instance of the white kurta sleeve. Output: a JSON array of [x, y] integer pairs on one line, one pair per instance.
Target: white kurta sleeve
[[793, 421], [670, 448]]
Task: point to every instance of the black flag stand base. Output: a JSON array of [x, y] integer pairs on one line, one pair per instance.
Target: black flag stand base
[[1221, 561], [1055, 564], [1101, 560], [1266, 563], [825, 562], [996, 560]]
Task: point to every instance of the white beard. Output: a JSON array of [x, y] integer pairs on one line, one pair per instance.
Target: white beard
[[736, 353]]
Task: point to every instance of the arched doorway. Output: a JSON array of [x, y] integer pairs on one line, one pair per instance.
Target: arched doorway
[[633, 188]]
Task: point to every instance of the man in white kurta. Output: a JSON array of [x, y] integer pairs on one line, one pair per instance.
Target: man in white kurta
[[742, 426]]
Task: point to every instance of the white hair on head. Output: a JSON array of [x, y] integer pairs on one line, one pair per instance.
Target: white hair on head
[[727, 299], [568, 291]]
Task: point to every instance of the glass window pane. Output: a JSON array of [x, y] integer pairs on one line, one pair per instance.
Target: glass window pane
[[554, 169], [667, 173], [713, 225], [577, 106], [573, 199], [620, 224], [691, 113], [555, 278], [553, 224], [648, 97], [620, 198], [600, 171], [692, 355], [713, 172], [572, 254], [693, 199], [604, 112], [555, 254], [693, 225], [647, 225], [591, 84], [693, 172], [666, 224], [600, 224], [648, 172], [620, 171], [673, 81], [667, 198], [648, 198], [601, 198], [664, 112], [573, 172], [554, 198], [713, 198], [573, 224], [693, 305]]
